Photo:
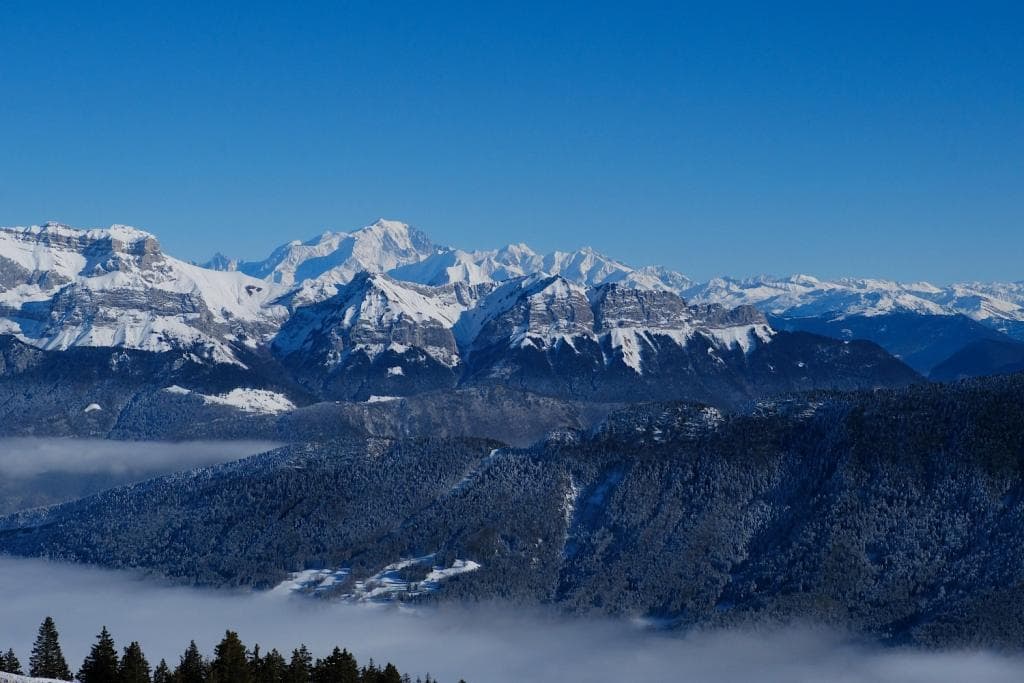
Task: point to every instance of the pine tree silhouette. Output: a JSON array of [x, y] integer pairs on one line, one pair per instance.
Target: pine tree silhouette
[[230, 664], [162, 673], [338, 667], [192, 668], [134, 667], [100, 665], [9, 663], [390, 674], [47, 660], [273, 670], [300, 669]]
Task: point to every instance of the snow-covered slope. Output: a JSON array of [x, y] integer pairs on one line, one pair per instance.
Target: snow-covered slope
[[374, 313], [334, 258], [804, 295], [628, 325], [584, 267], [15, 678], [114, 287]]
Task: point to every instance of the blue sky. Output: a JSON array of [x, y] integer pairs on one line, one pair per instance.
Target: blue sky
[[831, 138]]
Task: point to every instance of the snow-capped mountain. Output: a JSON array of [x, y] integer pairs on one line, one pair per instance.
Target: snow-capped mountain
[[918, 322], [316, 267], [807, 296], [379, 336], [61, 287], [382, 311], [584, 267], [625, 324]]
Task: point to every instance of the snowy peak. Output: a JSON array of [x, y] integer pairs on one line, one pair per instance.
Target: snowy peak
[[454, 265], [806, 296], [314, 269], [803, 295], [220, 262], [62, 287], [618, 323], [375, 313], [334, 258], [60, 253], [585, 267]]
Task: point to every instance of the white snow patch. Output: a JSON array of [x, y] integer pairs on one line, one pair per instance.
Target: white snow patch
[[382, 399], [439, 574], [15, 678], [93, 407], [387, 584], [253, 401], [395, 371], [743, 336]]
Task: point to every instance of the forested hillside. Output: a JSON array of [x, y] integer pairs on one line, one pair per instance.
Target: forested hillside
[[897, 512]]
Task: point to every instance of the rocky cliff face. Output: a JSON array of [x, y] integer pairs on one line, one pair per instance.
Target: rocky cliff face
[[115, 288]]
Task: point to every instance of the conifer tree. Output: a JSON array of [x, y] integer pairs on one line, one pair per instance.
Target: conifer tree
[[338, 667], [47, 660], [390, 674], [256, 662], [9, 663], [100, 665], [134, 667], [230, 664], [162, 673], [192, 668], [300, 669], [369, 673], [274, 669]]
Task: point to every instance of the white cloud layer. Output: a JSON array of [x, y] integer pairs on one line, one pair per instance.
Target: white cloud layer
[[29, 457], [483, 644]]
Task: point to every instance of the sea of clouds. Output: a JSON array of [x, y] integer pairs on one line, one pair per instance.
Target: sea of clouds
[[27, 457], [482, 643]]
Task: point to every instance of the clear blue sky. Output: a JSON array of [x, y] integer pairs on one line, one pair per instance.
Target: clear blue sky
[[830, 138]]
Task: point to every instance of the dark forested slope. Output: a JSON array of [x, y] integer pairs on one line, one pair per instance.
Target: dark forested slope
[[898, 513]]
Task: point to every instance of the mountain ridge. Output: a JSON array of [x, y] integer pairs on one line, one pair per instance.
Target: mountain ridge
[[61, 287]]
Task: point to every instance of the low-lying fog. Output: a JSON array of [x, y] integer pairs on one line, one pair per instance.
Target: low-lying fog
[[480, 644], [42, 471]]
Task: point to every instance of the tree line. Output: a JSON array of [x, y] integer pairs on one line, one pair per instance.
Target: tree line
[[232, 662]]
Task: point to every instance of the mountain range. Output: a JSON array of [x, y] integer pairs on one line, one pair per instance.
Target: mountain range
[[558, 429], [382, 312], [61, 287]]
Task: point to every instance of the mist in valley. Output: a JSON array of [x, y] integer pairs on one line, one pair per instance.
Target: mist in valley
[[478, 643], [44, 471]]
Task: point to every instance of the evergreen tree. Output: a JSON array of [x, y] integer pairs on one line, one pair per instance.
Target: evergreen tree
[[9, 663], [134, 667], [339, 667], [256, 663], [369, 673], [390, 674], [230, 664], [192, 668], [162, 673], [100, 666], [300, 669], [273, 670], [47, 660]]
